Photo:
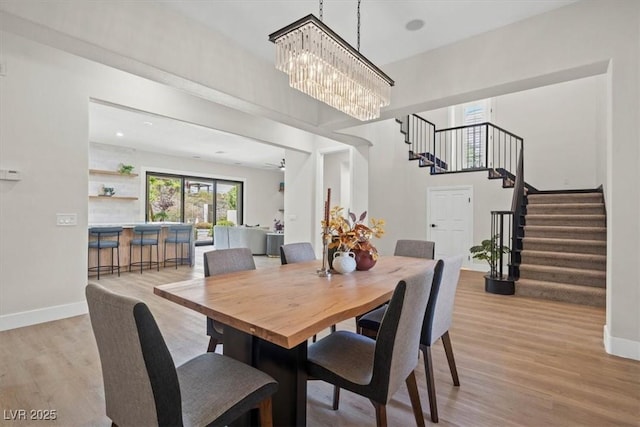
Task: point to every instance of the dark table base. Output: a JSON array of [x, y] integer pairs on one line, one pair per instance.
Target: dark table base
[[286, 366]]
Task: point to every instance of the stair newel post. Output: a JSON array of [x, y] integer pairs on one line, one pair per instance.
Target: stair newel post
[[495, 282], [486, 145]]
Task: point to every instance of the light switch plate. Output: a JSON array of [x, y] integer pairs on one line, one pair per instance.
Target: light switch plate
[[65, 220]]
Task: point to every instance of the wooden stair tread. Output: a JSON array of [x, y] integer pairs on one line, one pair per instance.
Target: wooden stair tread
[[565, 205], [578, 216], [552, 240], [564, 228], [566, 270], [566, 292], [570, 255]]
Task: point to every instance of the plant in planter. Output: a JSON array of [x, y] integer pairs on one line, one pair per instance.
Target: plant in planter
[[491, 251], [125, 169]]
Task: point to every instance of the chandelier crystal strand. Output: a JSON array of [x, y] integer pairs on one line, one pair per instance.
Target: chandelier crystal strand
[[325, 67]]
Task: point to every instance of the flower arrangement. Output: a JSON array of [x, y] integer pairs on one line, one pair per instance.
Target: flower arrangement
[[351, 232]]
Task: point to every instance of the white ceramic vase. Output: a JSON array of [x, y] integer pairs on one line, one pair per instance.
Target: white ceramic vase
[[344, 262]]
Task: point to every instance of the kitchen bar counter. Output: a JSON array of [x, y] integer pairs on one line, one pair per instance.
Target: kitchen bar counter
[[125, 239]]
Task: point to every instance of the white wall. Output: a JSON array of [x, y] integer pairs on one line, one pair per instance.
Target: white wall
[[335, 173], [560, 125], [300, 198]]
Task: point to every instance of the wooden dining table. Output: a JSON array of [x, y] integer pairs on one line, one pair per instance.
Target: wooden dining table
[[270, 313]]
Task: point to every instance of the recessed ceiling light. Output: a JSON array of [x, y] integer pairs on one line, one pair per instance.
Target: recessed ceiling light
[[119, 134], [147, 123], [414, 24], [220, 152], [196, 157]]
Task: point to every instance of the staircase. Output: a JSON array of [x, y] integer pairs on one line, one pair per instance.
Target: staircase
[[563, 254], [558, 238]]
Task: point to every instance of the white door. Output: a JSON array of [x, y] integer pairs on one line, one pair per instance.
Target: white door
[[449, 220]]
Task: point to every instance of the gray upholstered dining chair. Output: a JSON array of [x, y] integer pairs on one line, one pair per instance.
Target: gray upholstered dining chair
[[376, 369], [409, 248], [292, 253], [142, 386], [437, 321], [296, 252], [222, 261], [415, 248]]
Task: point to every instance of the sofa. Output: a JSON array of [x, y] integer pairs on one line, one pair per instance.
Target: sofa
[[254, 238]]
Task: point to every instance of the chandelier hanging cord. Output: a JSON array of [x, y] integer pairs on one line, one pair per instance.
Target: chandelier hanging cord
[[320, 13], [358, 25]]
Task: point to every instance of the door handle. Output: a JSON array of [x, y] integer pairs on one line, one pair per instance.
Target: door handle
[[433, 226]]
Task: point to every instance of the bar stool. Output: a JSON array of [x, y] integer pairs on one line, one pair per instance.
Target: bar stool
[[104, 239], [145, 235], [179, 235]]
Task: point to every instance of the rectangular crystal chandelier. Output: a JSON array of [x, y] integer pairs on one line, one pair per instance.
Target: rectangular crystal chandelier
[[324, 66]]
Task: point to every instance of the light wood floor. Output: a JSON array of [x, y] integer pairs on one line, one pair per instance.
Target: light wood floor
[[521, 362]]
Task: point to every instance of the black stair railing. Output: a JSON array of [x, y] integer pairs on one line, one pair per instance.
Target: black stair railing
[[482, 146], [518, 209], [478, 147], [501, 232]]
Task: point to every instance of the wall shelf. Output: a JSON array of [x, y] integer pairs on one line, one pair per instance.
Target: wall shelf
[[114, 197], [115, 173]]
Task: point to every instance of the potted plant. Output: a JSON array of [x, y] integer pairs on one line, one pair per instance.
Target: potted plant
[[491, 251], [125, 169]]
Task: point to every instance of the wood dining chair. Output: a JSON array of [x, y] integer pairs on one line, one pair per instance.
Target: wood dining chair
[[142, 386], [436, 324], [222, 261], [292, 253], [376, 369]]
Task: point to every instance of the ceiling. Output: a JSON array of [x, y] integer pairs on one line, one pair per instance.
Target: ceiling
[[384, 39], [383, 35], [149, 132]]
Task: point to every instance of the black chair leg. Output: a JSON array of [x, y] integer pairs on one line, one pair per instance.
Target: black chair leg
[[118, 254], [336, 397], [446, 342], [98, 258], [165, 254]]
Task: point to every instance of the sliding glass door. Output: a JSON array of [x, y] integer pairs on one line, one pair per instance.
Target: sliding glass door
[[164, 198], [228, 204], [202, 202]]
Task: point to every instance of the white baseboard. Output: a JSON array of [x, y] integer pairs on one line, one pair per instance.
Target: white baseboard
[[48, 314], [621, 346], [482, 268]]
